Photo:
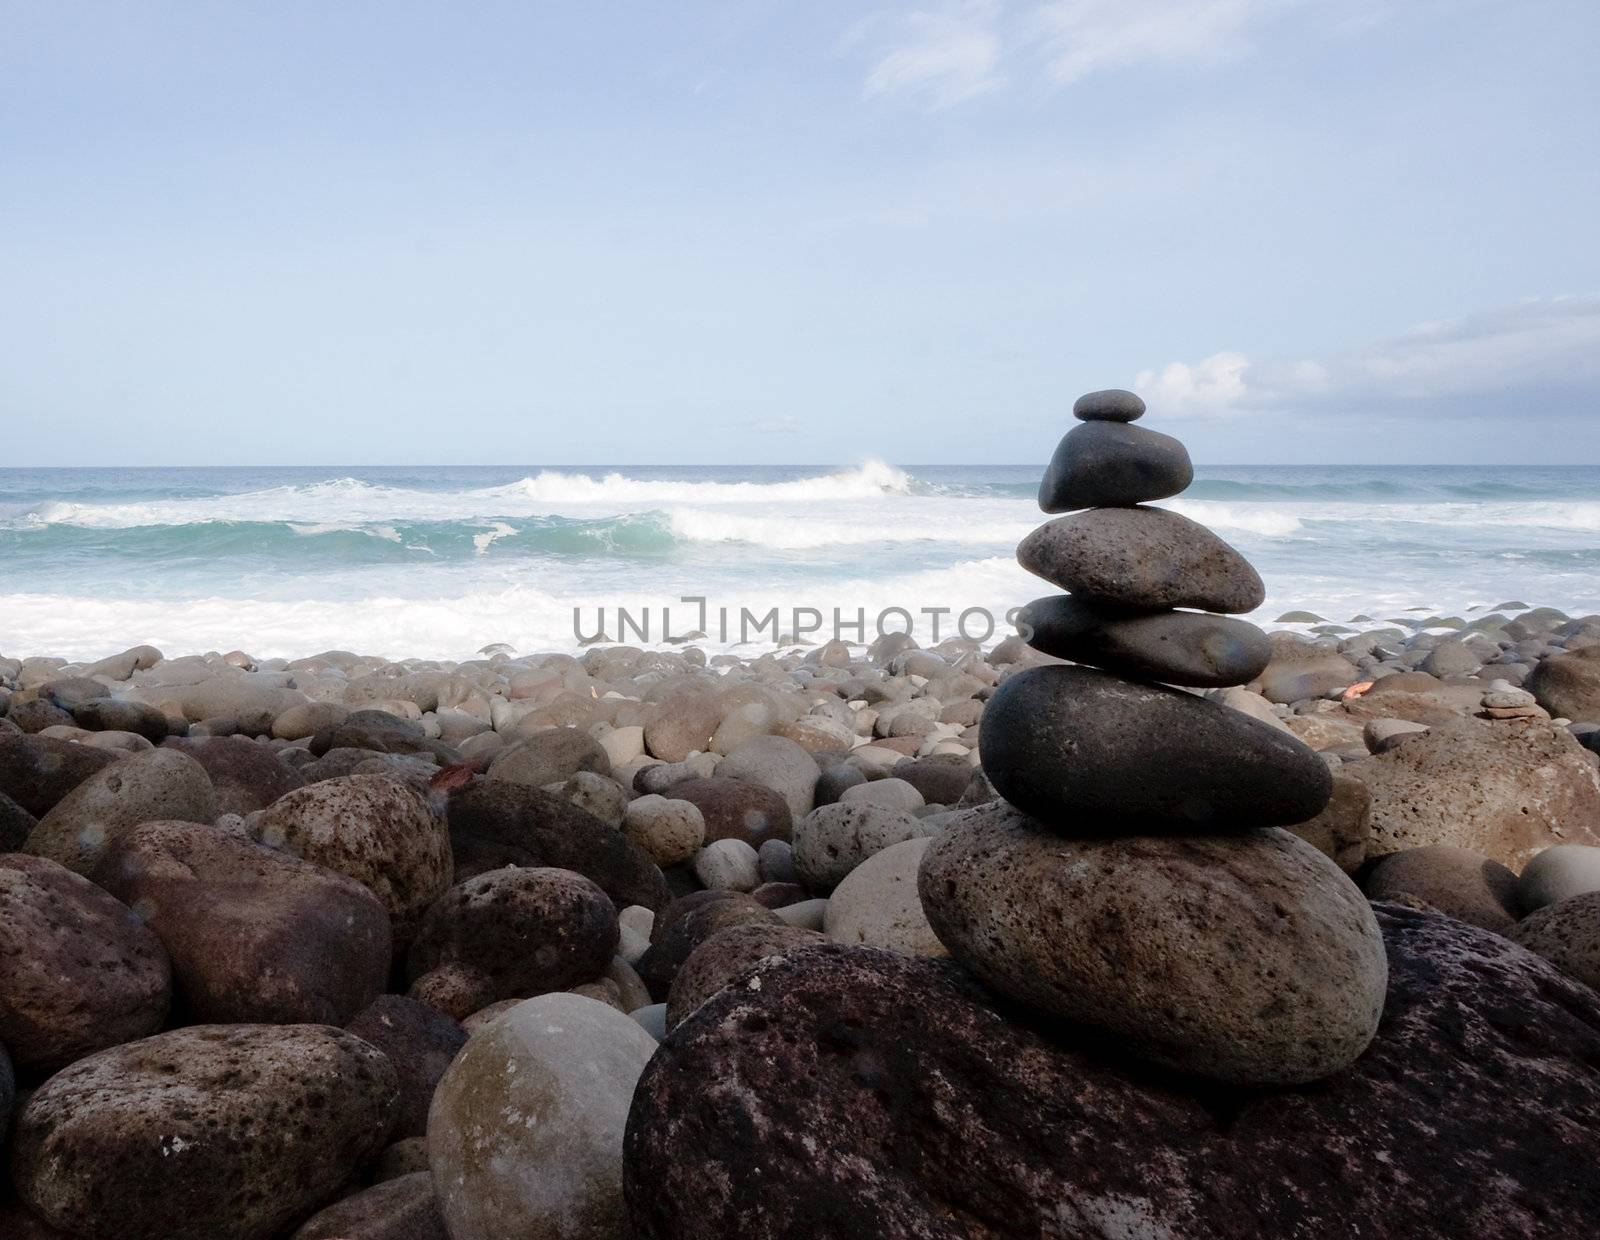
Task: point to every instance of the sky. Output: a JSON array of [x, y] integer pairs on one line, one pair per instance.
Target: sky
[[746, 231]]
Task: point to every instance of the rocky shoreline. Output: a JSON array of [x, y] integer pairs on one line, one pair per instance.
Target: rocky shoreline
[[1157, 926]]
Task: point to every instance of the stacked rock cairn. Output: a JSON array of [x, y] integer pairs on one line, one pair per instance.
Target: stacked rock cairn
[[1134, 885]]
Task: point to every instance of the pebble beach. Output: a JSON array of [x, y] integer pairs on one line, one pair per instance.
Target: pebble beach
[[1174, 910]]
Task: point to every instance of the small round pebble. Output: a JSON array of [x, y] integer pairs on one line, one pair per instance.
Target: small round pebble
[[777, 862], [671, 831], [728, 865], [1109, 405], [889, 793]]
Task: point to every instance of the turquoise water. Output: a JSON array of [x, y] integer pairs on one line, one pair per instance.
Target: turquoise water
[[439, 562]]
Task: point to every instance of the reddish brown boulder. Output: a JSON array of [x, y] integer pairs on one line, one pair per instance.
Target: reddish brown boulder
[[1456, 882], [737, 809], [550, 756], [420, 1041], [35, 714], [681, 725], [16, 1223], [857, 1092], [511, 933], [16, 824], [219, 1132], [371, 828], [689, 922], [1418, 698], [941, 780], [724, 956], [246, 774], [78, 970], [37, 771], [1568, 685], [253, 934], [400, 1209], [495, 823]]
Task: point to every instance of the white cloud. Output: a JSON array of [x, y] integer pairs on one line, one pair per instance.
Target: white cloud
[[1214, 385], [1544, 351], [1084, 36], [947, 55]]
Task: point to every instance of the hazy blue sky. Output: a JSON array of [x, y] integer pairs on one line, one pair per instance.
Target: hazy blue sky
[[1307, 230]]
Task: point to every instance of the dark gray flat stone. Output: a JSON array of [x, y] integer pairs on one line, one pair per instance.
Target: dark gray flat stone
[[1112, 465], [1175, 647]]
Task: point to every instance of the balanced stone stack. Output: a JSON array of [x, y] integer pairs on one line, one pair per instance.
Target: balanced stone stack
[[1135, 880]]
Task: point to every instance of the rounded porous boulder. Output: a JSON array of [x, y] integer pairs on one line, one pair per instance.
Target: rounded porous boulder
[[682, 725], [1250, 958], [834, 839], [1456, 882], [1341, 830], [245, 774], [724, 956], [217, 1132], [508, 934], [525, 1136], [252, 934], [737, 809], [144, 787], [894, 1100], [402, 1208], [670, 830], [1568, 685], [778, 763], [495, 823], [78, 970], [689, 922], [1299, 669], [1140, 557], [549, 757], [1072, 744], [1503, 790], [420, 1041], [371, 828], [1566, 934]]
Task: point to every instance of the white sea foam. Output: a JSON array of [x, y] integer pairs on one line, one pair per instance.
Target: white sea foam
[[1270, 520], [443, 568], [482, 542], [350, 503], [924, 521], [871, 480], [376, 618]]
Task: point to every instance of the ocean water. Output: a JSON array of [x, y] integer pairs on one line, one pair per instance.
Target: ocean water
[[440, 562]]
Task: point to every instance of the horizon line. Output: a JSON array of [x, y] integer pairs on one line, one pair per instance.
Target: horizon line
[[836, 465]]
